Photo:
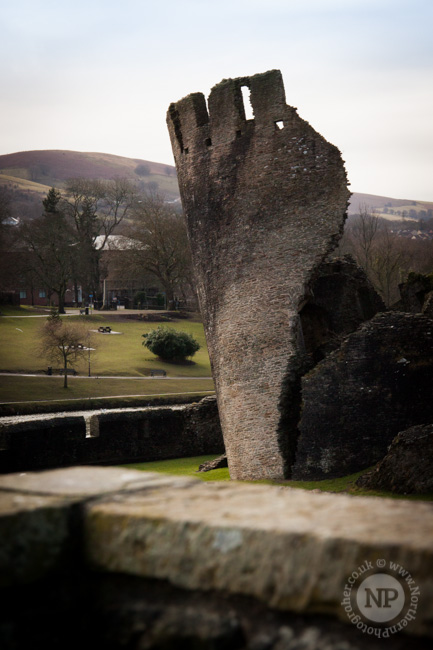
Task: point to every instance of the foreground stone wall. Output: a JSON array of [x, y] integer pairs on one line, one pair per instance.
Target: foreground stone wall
[[127, 559], [265, 202], [115, 436]]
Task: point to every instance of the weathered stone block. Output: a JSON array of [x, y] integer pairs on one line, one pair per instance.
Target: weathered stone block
[[180, 563], [340, 299], [77, 482], [202, 427], [359, 397], [216, 463], [408, 466], [415, 293], [34, 534], [265, 202], [290, 549]]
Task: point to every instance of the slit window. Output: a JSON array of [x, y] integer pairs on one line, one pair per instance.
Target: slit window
[[208, 142], [246, 96], [279, 125]]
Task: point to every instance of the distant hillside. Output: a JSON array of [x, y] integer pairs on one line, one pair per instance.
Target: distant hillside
[[30, 174], [55, 167], [389, 208]]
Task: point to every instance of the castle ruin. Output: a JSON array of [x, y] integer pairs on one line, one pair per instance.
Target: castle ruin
[[265, 201]]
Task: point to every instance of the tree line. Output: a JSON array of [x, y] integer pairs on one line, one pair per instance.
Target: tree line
[[386, 258], [65, 244]]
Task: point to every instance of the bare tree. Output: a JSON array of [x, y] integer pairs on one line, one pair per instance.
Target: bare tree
[[96, 209], [385, 257], [64, 342], [160, 244], [364, 233], [390, 264]]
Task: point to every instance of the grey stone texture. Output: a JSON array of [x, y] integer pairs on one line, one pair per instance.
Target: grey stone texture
[[116, 436], [340, 299], [216, 463], [427, 308], [416, 294], [34, 535], [408, 465], [45, 443], [264, 205], [128, 559], [357, 399]]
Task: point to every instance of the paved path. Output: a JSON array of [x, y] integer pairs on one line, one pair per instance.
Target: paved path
[[34, 315], [25, 374]]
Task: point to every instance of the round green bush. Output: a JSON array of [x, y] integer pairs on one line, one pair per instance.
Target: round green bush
[[168, 344]]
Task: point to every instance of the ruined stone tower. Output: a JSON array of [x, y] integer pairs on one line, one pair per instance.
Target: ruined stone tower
[[265, 201]]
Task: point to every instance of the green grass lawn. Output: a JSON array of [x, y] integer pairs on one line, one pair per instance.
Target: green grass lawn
[[183, 467], [345, 484], [23, 310], [116, 354], [23, 389]]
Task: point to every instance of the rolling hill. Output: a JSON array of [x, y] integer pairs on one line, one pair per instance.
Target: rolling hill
[[30, 174]]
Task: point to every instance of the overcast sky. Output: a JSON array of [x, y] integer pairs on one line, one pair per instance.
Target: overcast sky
[[98, 75]]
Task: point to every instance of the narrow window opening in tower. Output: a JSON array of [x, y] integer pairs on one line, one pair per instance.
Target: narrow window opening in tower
[[279, 124], [246, 96]]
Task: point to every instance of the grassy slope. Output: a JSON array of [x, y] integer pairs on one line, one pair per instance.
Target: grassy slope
[[189, 467], [379, 202], [24, 184], [36, 389], [21, 170], [59, 165]]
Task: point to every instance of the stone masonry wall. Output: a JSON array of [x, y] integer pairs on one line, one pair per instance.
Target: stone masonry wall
[[117, 436], [265, 202], [375, 385]]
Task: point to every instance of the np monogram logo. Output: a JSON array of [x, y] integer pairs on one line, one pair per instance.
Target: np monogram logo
[[380, 598]]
